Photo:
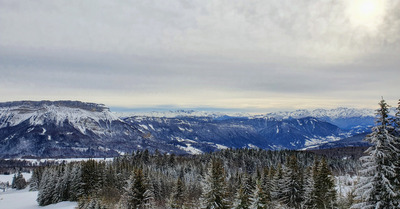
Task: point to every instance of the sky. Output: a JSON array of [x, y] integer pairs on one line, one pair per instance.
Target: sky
[[234, 55]]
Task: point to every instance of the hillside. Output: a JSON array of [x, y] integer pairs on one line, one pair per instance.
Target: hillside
[[78, 129]]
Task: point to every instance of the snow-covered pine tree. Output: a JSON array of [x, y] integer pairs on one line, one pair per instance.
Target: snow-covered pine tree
[[259, 199], [292, 188], [376, 189], [277, 182], [75, 187], [177, 198], [137, 194], [324, 187], [266, 183], [214, 187], [35, 179], [308, 198], [13, 181], [396, 156], [89, 176], [244, 193], [47, 189], [18, 181], [59, 186]]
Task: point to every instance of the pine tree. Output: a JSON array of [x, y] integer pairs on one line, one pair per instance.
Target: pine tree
[[75, 183], [18, 181], [309, 194], [324, 187], [396, 156], [214, 187], [292, 190], [244, 193], [138, 194], [13, 181], [178, 196], [47, 189], [277, 182], [259, 199], [378, 187], [89, 177], [266, 183], [35, 179]]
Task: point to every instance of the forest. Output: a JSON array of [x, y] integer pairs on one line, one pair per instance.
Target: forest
[[232, 178]]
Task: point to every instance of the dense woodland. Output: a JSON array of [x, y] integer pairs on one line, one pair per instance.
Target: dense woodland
[[230, 178], [241, 178]]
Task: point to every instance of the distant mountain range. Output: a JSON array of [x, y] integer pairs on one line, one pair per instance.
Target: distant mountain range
[[78, 129]]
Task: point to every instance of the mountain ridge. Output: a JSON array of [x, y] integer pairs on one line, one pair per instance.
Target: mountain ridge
[[74, 128]]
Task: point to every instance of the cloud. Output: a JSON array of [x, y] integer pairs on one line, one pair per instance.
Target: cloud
[[234, 54]]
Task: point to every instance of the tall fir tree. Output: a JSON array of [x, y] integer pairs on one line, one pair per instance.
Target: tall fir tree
[[244, 193], [396, 156], [292, 188], [309, 194], [35, 179], [177, 198], [259, 199], [214, 187], [266, 183], [138, 194], [47, 187], [277, 182], [75, 188], [324, 187], [377, 189]]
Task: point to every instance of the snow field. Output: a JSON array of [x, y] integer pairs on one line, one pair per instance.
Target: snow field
[[24, 199]]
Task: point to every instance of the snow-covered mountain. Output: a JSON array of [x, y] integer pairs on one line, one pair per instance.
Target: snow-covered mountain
[[73, 128], [183, 113], [341, 112], [67, 128], [355, 120], [206, 134], [82, 116]]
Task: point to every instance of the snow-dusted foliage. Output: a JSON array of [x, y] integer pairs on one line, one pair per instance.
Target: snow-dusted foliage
[[137, 193], [324, 187], [214, 187], [243, 178], [379, 187], [292, 188]]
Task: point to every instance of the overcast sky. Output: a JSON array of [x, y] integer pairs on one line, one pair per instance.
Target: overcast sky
[[248, 55]]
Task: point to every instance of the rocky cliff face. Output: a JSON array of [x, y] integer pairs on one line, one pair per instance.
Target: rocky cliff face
[[67, 128]]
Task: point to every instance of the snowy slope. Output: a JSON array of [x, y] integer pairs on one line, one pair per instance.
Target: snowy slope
[[355, 121], [68, 129], [77, 129], [24, 199], [81, 116]]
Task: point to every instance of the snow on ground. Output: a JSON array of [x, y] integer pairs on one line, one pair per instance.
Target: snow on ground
[[24, 199], [220, 146], [190, 149], [8, 178]]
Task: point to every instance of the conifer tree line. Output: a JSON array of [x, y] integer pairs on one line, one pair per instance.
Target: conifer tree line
[[242, 178]]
